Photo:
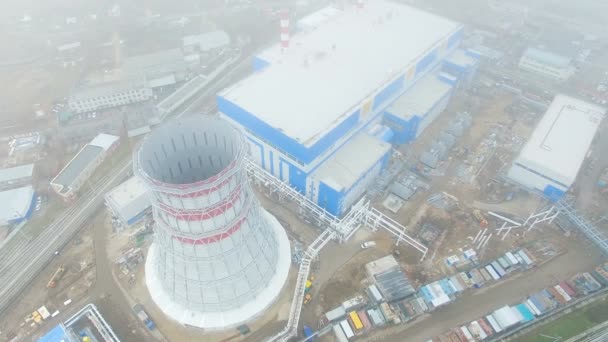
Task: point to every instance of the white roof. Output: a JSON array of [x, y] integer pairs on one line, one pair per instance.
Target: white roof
[[314, 20], [349, 164], [505, 317], [559, 144], [17, 172], [460, 57], [125, 193], [326, 73], [105, 141], [15, 203], [421, 98]]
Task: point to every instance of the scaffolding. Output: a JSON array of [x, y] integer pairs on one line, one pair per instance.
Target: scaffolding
[[334, 228]]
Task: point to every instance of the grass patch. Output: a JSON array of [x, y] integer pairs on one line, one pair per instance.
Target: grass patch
[[571, 324]]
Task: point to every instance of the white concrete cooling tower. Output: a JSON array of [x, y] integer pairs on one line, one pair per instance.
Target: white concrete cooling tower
[[218, 258]]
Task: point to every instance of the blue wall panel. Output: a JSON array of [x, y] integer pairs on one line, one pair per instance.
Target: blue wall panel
[[553, 194], [426, 62], [271, 161], [329, 199], [404, 130], [297, 178], [27, 214], [390, 90], [281, 141], [259, 64], [262, 157], [455, 38]]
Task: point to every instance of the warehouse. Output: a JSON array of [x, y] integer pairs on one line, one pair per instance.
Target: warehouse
[[307, 101], [552, 157], [109, 94], [16, 176], [128, 201], [547, 64], [73, 176], [17, 205], [159, 69]]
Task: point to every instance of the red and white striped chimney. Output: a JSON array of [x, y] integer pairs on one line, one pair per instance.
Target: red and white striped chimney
[[285, 29]]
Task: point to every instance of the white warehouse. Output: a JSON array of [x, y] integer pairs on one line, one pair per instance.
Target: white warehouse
[[129, 201], [552, 157]]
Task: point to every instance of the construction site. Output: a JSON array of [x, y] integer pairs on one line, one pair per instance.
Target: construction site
[[436, 209]]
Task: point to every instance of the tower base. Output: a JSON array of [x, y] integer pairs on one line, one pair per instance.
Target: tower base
[[230, 318]]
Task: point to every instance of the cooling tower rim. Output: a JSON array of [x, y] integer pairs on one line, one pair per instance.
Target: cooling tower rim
[[234, 167]]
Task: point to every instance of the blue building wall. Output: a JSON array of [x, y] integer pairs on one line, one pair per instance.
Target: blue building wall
[[404, 130], [259, 64], [27, 214], [330, 198], [455, 38], [390, 90], [426, 62], [273, 137]]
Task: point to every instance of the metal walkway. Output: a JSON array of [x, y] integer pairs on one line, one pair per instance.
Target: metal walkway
[[340, 229], [590, 231]]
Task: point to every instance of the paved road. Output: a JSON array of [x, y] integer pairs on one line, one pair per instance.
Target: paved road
[[20, 262]]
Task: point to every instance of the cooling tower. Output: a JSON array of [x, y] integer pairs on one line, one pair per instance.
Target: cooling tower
[[218, 258]]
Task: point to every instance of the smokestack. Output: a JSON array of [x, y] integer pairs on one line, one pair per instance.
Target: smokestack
[[284, 29]]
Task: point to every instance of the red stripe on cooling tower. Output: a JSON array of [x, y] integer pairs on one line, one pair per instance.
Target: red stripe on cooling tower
[[210, 212], [214, 238], [199, 183]]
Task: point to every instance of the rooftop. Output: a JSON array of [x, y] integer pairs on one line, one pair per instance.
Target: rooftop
[[460, 57], [161, 61], [70, 172], [547, 57], [562, 138], [16, 203], [207, 41], [94, 90], [105, 141], [421, 98], [390, 279], [341, 170], [325, 74], [126, 192], [17, 172]]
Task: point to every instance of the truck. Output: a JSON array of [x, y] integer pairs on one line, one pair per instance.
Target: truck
[[143, 316]]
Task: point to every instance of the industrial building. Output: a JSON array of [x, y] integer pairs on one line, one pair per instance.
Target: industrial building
[[551, 159], [103, 95], [547, 64], [159, 69], [13, 177], [327, 91], [218, 259], [389, 278], [205, 42], [129, 201], [17, 205], [86, 325], [73, 176]]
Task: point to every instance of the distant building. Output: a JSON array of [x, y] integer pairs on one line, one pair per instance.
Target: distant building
[[86, 325], [129, 201], [17, 205], [16, 176], [551, 159], [205, 42], [73, 176], [109, 94], [547, 64], [159, 69]]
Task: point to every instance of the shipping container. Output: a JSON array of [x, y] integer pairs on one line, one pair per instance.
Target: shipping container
[[355, 320], [376, 317], [340, 336], [348, 331], [486, 275], [512, 259], [477, 331], [367, 325], [467, 334], [562, 292], [557, 296], [527, 260], [492, 272], [533, 307], [486, 326], [495, 326], [422, 304], [501, 272], [375, 294], [504, 263], [335, 314], [569, 290]]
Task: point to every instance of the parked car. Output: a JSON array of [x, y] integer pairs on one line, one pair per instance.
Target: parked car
[[368, 244]]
